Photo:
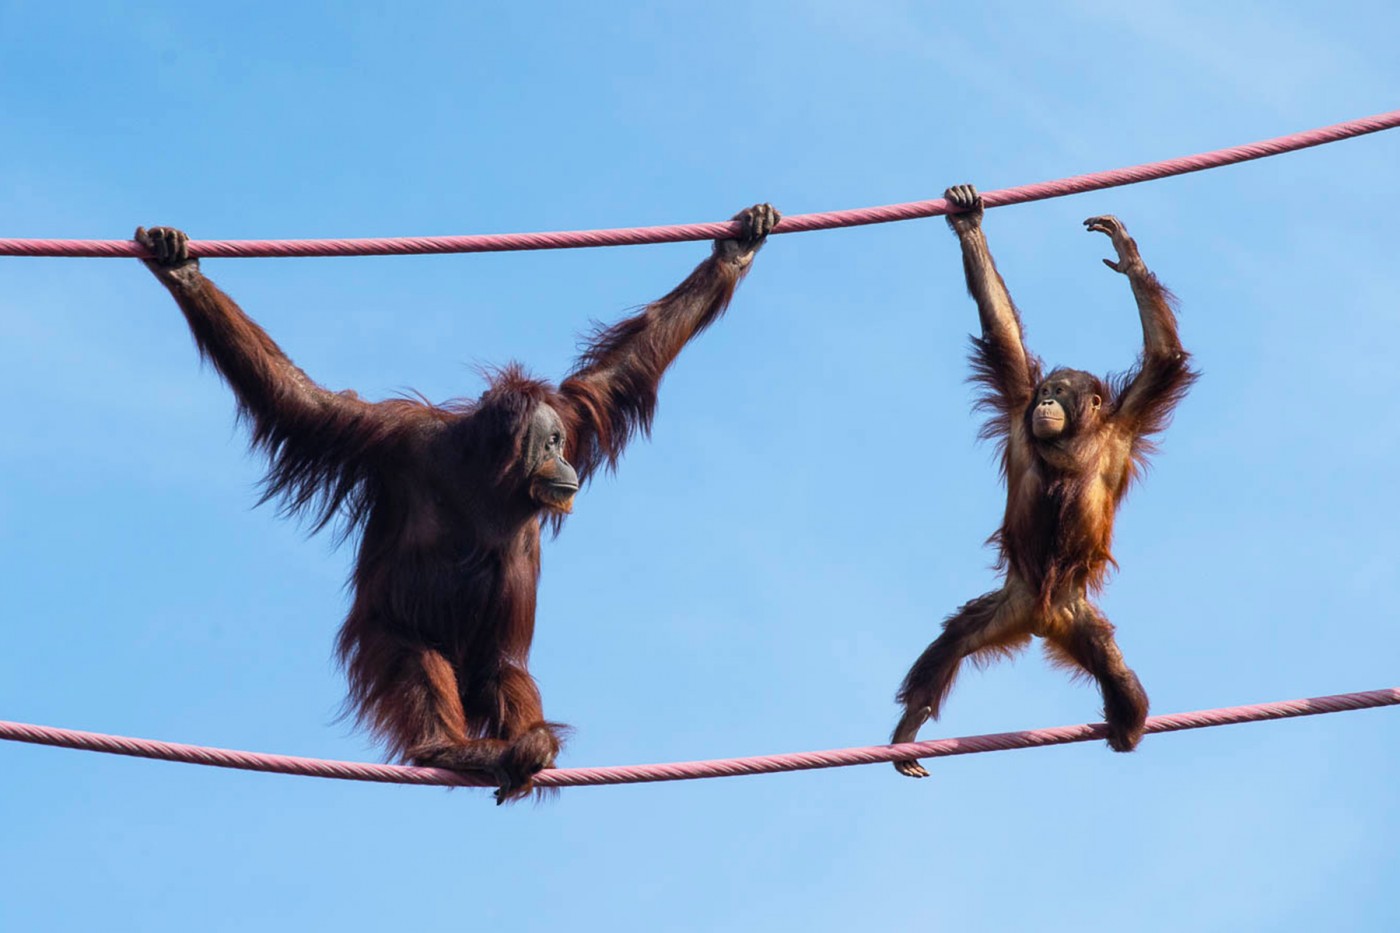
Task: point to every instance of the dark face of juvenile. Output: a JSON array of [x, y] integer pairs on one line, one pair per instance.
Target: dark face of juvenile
[[553, 482], [1065, 402]]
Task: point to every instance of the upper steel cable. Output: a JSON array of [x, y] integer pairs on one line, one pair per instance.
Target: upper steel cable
[[499, 242]]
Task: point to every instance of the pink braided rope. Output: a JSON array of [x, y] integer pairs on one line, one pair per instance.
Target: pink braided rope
[[685, 770], [484, 243]]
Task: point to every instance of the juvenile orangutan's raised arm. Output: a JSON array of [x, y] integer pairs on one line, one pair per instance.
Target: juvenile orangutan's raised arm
[[1163, 374], [1000, 360], [323, 445], [613, 389]]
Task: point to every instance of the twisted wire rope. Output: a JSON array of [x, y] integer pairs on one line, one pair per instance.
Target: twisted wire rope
[[499, 242], [685, 770]]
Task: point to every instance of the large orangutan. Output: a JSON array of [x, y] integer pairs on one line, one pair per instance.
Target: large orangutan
[[1071, 445], [449, 501]]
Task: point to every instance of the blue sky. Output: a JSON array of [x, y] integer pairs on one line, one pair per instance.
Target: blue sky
[[759, 576]]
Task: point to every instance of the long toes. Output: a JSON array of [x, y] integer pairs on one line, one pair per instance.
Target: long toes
[[1124, 741], [910, 769], [511, 789]]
